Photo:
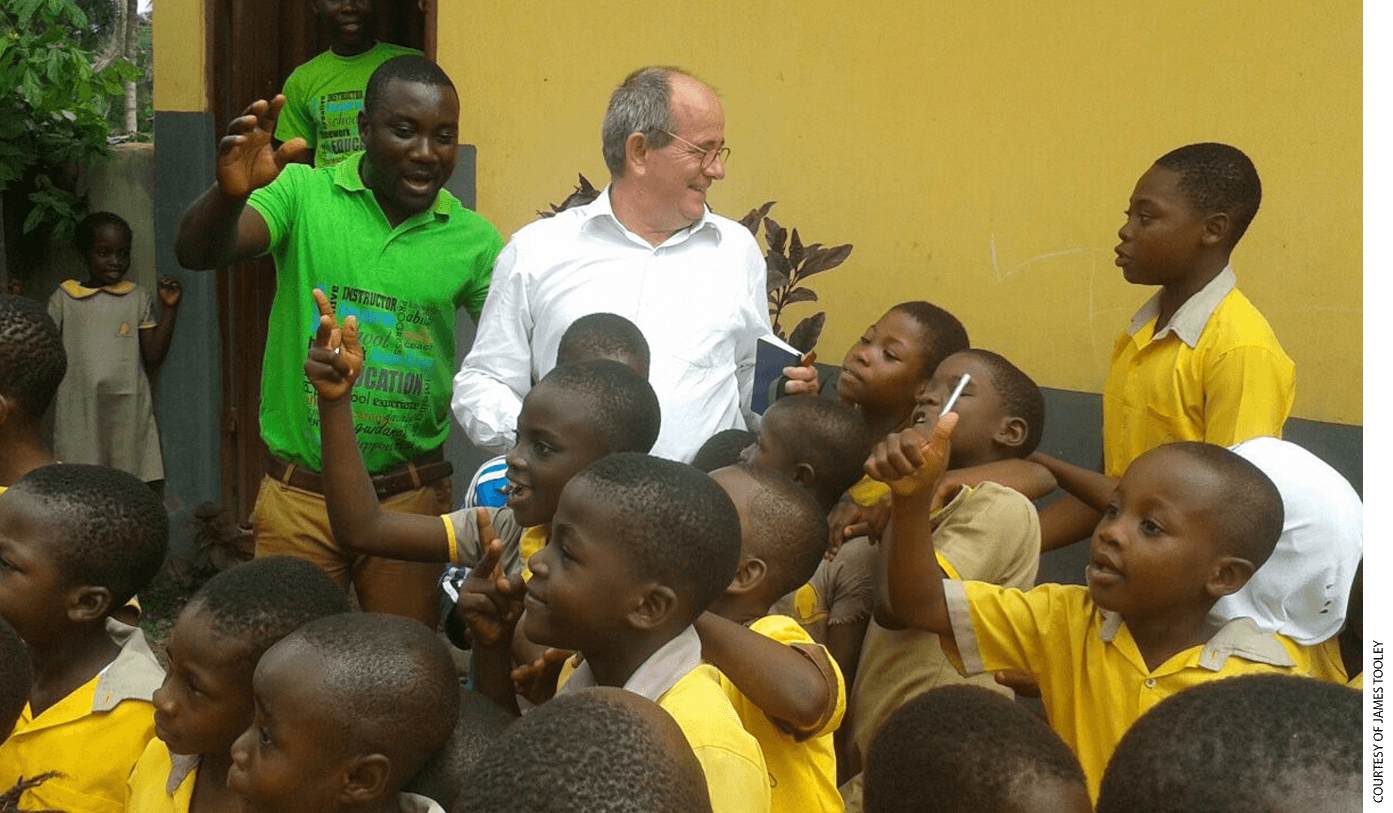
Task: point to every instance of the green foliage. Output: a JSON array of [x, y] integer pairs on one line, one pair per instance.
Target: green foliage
[[51, 117], [789, 263]]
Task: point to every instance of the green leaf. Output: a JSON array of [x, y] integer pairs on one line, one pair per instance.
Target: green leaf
[[775, 235], [52, 35], [24, 12], [751, 220], [824, 259], [801, 295], [795, 249], [805, 334], [36, 216]]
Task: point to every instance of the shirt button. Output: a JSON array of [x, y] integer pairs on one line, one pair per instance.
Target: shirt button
[[1151, 683]]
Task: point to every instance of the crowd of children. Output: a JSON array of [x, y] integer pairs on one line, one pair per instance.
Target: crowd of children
[[825, 616]]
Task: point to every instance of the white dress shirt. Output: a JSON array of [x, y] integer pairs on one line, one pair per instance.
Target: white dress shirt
[[699, 298]]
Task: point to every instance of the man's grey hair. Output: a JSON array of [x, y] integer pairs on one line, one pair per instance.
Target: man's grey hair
[[641, 104]]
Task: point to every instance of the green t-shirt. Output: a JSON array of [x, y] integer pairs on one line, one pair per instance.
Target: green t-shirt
[[323, 98], [404, 285]]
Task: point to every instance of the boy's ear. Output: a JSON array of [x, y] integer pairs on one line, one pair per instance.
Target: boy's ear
[[1217, 226], [1012, 432], [7, 406], [367, 779], [1229, 576], [654, 608], [805, 475], [748, 576], [88, 603]]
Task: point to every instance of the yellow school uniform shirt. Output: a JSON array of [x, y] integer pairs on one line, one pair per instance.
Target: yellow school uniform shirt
[[94, 736], [1093, 681], [736, 774], [802, 769], [161, 782], [867, 492], [1327, 663], [1216, 373], [730, 757]]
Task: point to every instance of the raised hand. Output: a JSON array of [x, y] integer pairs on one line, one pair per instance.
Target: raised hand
[[490, 602], [170, 291], [246, 159], [336, 358], [536, 681], [911, 461]]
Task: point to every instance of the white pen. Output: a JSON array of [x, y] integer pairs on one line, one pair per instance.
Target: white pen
[[953, 398]]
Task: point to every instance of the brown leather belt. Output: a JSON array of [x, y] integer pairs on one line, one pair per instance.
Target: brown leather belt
[[420, 472]]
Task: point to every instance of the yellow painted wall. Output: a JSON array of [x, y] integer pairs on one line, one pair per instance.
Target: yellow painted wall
[[180, 41], [978, 155]]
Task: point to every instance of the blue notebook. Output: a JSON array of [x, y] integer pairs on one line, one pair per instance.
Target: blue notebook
[[771, 357]]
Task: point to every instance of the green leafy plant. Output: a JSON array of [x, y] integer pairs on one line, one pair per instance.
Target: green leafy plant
[[789, 263], [52, 107], [787, 260]]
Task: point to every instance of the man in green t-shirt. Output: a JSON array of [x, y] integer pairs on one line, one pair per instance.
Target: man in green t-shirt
[[324, 96], [384, 241]]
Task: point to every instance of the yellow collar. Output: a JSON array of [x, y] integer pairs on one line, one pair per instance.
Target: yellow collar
[[77, 290]]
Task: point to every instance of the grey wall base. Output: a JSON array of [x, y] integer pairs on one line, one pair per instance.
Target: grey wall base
[[190, 384], [1074, 432]]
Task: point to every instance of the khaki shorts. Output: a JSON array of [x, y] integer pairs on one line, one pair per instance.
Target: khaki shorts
[[288, 521]]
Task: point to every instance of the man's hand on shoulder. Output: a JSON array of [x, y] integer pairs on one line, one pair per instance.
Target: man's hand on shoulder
[[247, 160]]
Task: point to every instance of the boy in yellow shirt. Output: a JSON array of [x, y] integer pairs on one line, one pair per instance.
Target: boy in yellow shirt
[[785, 687], [1198, 361], [205, 701], [77, 541], [639, 547], [348, 709], [1188, 523], [576, 414]]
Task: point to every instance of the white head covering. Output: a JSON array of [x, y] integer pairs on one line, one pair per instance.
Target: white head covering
[[1302, 589]]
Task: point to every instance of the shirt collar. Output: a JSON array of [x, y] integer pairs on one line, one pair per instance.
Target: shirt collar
[[180, 766], [348, 177], [1190, 318], [1239, 636], [133, 675], [602, 210], [77, 290], [654, 676]]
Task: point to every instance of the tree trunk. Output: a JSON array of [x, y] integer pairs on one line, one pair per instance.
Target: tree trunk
[[131, 50]]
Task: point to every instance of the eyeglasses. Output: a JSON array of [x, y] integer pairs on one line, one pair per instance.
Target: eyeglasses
[[708, 157]]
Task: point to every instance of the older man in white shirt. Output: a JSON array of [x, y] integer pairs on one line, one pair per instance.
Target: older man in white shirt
[[647, 249]]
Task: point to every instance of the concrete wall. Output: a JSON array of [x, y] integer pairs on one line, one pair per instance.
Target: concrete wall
[[190, 390], [977, 155]]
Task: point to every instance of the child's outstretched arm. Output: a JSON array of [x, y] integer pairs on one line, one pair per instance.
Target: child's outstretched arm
[[154, 342], [796, 688], [913, 463], [356, 515], [490, 604], [1029, 477], [1092, 488]]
